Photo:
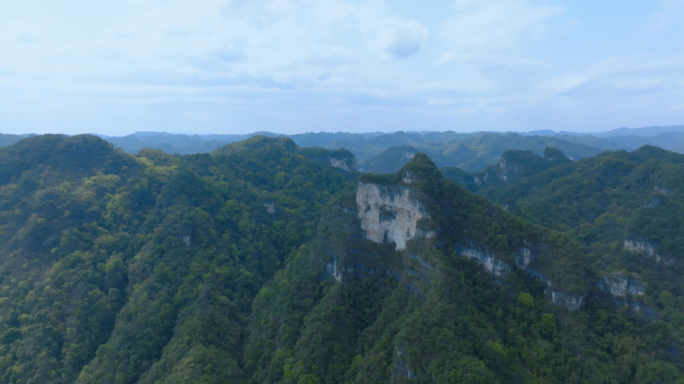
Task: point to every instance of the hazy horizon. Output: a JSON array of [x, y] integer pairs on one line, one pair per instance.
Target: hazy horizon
[[343, 132]]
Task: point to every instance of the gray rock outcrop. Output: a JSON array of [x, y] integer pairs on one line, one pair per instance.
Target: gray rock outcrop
[[344, 164], [640, 246], [621, 285], [571, 301], [389, 213]]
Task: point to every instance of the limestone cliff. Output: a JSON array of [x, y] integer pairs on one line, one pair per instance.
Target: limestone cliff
[[389, 213], [346, 164], [398, 210], [488, 261], [641, 246], [621, 285], [568, 300], [524, 260]]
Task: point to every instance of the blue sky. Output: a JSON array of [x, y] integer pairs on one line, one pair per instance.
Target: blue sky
[[290, 66]]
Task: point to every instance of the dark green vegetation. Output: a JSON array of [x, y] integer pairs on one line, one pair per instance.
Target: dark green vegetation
[[611, 203], [512, 166], [121, 269], [626, 210], [427, 314], [253, 264]]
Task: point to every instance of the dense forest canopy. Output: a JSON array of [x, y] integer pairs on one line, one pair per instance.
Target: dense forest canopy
[[264, 261]]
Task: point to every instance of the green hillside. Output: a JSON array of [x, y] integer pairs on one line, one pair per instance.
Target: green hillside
[[348, 309], [266, 262], [513, 166], [609, 202], [122, 269]]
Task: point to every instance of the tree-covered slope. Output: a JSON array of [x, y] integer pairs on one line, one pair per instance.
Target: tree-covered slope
[[626, 207], [415, 279], [513, 166], [122, 269], [266, 262]]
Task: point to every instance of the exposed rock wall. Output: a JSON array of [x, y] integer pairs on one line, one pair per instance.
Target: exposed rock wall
[[334, 269], [640, 246], [389, 213], [663, 190], [656, 201], [523, 258], [270, 207], [488, 260], [345, 164], [186, 240], [571, 301], [621, 285]]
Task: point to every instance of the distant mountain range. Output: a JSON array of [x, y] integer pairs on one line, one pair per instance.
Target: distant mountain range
[[387, 152]]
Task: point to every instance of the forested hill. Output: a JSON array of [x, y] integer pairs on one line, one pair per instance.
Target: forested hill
[[627, 208], [513, 166], [122, 269], [265, 262], [474, 152], [426, 282]]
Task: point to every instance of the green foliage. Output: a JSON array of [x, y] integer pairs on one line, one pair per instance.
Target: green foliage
[[121, 269], [526, 299], [427, 314], [248, 265], [514, 165]]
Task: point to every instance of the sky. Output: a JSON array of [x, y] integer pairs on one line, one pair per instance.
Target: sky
[[293, 66]]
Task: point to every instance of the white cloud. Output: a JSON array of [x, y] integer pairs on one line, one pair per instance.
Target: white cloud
[[491, 31], [398, 38], [624, 76], [315, 63], [301, 43]]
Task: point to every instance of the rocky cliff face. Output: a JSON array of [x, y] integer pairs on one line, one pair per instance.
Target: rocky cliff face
[[568, 300], [640, 246], [524, 259], [617, 285], [389, 213], [347, 164], [488, 260], [621, 285]]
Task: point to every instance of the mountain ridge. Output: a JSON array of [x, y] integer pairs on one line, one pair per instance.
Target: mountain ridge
[[264, 262]]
